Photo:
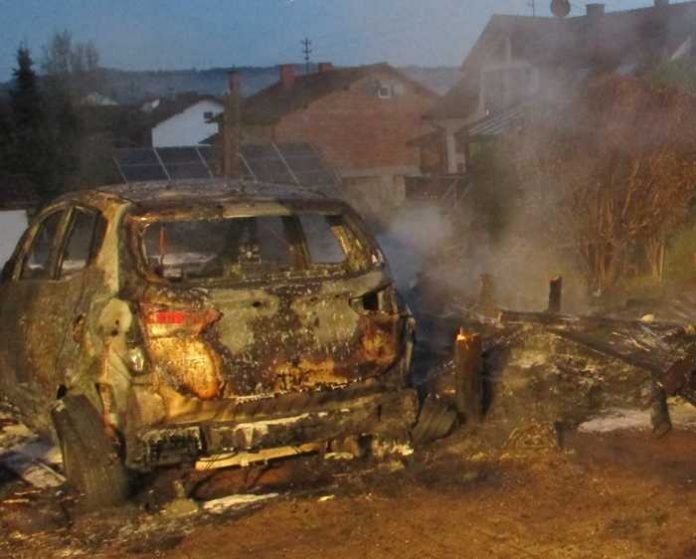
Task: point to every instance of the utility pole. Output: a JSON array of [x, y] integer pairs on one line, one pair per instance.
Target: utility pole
[[532, 4], [306, 49]]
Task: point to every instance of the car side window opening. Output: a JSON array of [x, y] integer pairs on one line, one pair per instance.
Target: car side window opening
[[82, 241], [322, 241], [37, 262]]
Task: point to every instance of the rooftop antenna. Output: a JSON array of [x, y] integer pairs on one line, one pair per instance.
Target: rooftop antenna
[[306, 49]]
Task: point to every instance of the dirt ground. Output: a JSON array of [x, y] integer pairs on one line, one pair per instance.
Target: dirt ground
[[620, 494]]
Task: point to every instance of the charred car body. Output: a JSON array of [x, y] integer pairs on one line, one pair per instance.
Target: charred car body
[[151, 325]]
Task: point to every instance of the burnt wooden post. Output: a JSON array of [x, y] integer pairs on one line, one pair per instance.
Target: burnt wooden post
[[486, 302], [468, 360], [555, 295]]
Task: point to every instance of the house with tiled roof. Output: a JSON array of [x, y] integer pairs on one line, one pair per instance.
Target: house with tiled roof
[[519, 60], [359, 118], [184, 120]]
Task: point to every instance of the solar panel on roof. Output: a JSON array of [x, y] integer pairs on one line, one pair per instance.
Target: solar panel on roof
[[304, 163], [209, 154], [213, 158], [137, 156], [270, 170], [168, 163], [291, 163], [178, 155], [316, 178], [265, 164], [183, 163], [297, 163], [257, 151], [297, 149], [139, 164]]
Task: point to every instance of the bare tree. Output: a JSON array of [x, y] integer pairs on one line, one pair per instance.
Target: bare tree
[[621, 164], [72, 65]]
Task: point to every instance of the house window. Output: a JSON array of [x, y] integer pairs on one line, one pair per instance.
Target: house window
[[208, 115], [384, 91]]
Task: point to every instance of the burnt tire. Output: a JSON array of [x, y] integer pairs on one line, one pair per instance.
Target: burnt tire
[[90, 460], [435, 421]]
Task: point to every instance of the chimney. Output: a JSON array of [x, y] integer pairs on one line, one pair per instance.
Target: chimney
[[324, 67], [233, 81], [231, 127], [661, 3], [594, 10], [287, 75]]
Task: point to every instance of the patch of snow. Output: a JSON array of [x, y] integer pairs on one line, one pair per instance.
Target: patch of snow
[[217, 506], [529, 359], [260, 428], [618, 420], [682, 414], [32, 471], [31, 458]]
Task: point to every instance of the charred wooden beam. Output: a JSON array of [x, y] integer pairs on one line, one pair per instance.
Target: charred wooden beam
[[587, 321], [468, 361], [555, 295], [642, 361], [486, 303]]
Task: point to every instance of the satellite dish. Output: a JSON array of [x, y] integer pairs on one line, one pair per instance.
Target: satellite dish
[[560, 8]]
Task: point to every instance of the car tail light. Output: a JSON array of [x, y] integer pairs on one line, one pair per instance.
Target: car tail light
[[160, 321], [174, 345]]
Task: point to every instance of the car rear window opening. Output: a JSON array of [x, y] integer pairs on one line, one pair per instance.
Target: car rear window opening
[[243, 247]]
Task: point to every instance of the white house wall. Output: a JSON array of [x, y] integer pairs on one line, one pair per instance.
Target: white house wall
[[187, 128], [12, 225]]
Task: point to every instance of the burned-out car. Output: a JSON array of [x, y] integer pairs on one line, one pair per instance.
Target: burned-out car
[[204, 324]]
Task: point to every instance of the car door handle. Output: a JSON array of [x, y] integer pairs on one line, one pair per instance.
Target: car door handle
[[78, 327]]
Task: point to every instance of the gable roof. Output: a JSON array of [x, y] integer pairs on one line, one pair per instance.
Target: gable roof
[[274, 102], [459, 102], [605, 42], [176, 105]]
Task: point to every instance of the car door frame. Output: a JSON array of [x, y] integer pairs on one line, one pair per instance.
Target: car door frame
[[14, 290]]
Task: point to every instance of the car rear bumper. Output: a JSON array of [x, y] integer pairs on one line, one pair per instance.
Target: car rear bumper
[[389, 413]]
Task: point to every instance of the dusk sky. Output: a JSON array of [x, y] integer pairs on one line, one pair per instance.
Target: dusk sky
[[174, 34]]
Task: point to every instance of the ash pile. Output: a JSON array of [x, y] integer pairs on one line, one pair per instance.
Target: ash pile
[[542, 374]]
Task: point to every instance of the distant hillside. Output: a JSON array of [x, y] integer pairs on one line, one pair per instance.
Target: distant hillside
[[129, 87]]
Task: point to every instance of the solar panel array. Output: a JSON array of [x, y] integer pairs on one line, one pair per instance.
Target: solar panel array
[[291, 163], [297, 163], [170, 163], [264, 164]]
